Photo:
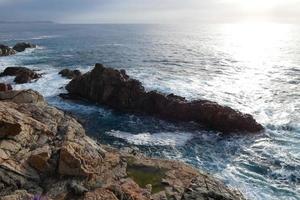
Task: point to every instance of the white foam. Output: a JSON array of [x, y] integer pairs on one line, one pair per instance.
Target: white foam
[[50, 84], [155, 139]]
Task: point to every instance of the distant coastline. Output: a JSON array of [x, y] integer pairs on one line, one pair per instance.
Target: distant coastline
[[27, 22]]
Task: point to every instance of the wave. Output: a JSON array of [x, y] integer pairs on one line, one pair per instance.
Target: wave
[[155, 139]]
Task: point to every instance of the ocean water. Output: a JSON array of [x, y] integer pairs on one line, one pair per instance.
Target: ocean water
[[251, 67]]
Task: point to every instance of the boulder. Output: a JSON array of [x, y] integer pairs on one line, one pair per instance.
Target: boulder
[[117, 90], [5, 87], [6, 50], [19, 47], [70, 74], [23, 74], [39, 158]]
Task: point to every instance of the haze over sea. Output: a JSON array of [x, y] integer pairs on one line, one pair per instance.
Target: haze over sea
[[251, 67]]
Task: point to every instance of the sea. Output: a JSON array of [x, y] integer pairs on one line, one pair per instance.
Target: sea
[[252, 67]]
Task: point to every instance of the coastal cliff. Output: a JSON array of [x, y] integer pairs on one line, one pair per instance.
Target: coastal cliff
[[45, 153]]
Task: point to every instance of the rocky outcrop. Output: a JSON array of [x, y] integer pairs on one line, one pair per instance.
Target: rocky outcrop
[[44, 152], [5, 87], [6, 50], [22, 74], [115, 89], [70, 74], [22, 46]]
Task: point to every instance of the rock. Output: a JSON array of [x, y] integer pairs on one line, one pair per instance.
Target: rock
[[9, 129], [77, 189], [18, 195], [70, 74], [39, 158], [45, 151], [100, 193], [19, 47], [6, 51], [5, 87], [78, 159], [23, 74], [115, 89], [22, 96]]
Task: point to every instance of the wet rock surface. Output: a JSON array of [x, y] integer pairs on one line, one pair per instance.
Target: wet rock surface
[[46, 152], [70, 74], [22, 74], [117, 90], [5, 87], [22, 46], [6, 50]]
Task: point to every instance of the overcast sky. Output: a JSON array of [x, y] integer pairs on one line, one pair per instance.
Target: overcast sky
[[151, 11]]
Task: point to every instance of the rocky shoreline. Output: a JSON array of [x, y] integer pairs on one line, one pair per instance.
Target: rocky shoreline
[[45, 154]]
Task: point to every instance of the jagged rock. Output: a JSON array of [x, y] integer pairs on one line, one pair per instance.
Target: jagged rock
[[39, 158], [6, 51], [115, 89], [51, 155], [78, 159], [70, 74], [19, 47], [5, 87], [77, 189], [22, 96], [23, 74]]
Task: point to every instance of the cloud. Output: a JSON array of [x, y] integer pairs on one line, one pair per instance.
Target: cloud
[[153, 11]]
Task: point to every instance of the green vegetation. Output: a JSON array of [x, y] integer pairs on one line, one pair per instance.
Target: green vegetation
[[144, 175]]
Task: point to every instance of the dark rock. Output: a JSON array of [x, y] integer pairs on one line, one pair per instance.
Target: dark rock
[[6, 51], [19, 47], [115, 89], [77, 189], [5, 87], [23, 74], [70, 74]]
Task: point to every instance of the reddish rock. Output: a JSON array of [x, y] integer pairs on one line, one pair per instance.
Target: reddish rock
[[5, 87], [39, 158], [115, 89]]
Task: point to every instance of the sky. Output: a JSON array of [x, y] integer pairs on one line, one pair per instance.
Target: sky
[[150, 11]]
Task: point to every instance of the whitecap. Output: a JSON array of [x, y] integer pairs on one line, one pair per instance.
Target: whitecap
[[155, 139]]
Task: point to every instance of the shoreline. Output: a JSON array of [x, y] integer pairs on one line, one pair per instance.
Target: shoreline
[[46, 137]]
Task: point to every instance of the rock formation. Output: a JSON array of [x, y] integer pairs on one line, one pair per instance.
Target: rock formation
[[6, 50], [23, 74], [70, 74], [115, 89], [19, 47], [45, 152]]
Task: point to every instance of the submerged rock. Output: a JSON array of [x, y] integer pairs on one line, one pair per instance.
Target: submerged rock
[[70, 74], [45, 151], [6, 50], [114, 88], [23, 74], [19, 47]]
